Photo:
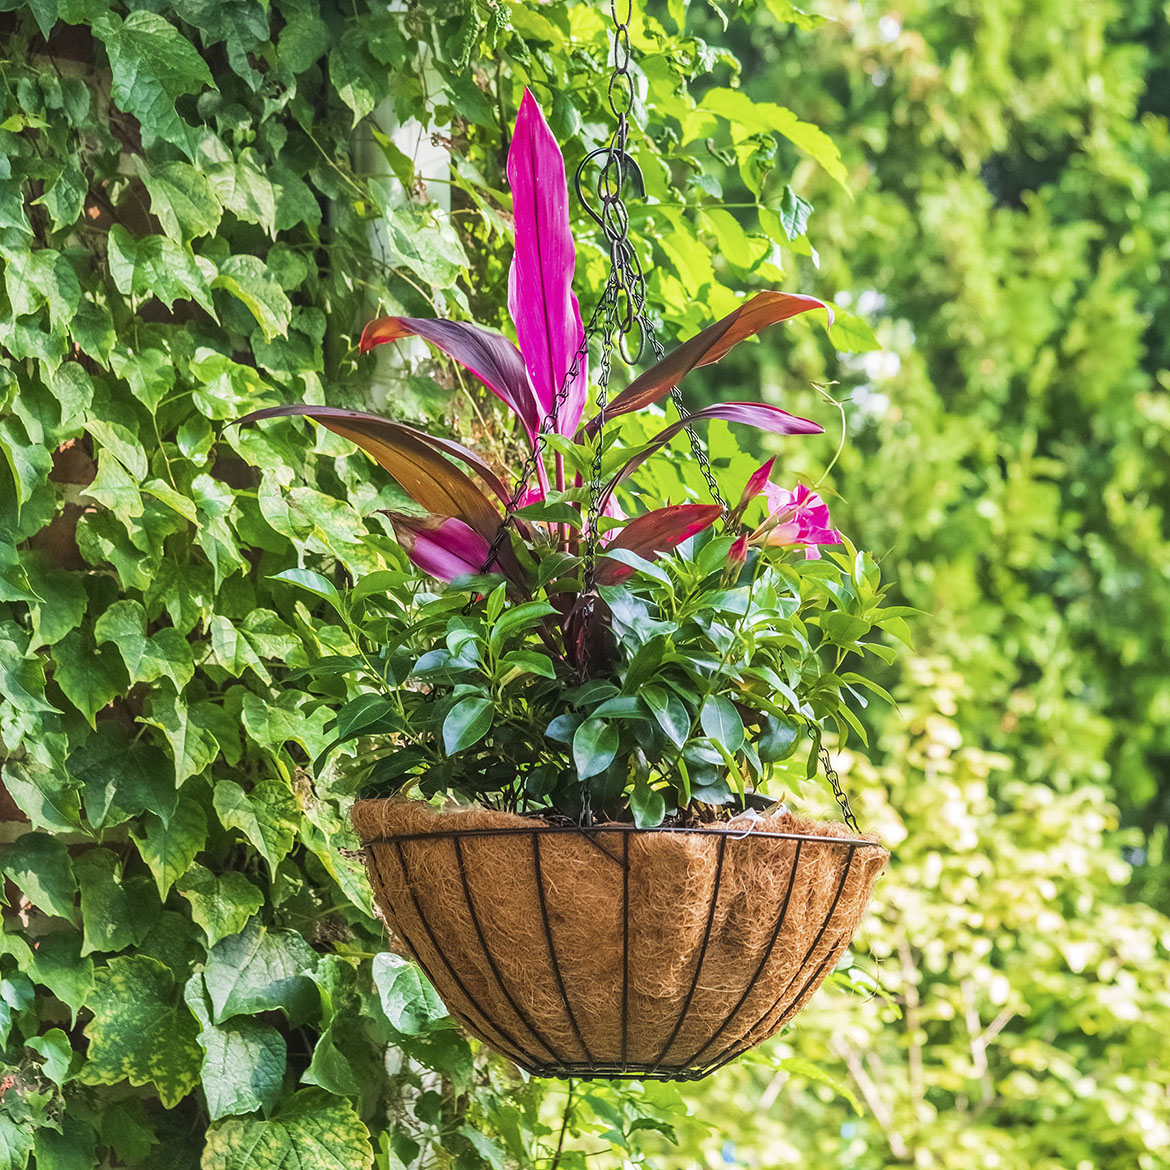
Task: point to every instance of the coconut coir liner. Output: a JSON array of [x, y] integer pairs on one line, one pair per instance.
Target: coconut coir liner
[[698, 986]]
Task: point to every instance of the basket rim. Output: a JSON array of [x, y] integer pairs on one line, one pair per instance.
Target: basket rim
[[730, 834]]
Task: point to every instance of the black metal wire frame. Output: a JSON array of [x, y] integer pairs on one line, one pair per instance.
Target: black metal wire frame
[[552, 1060]]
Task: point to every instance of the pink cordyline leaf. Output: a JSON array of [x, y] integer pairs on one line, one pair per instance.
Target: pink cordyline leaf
[[752, 414], [444, 548], [493, 359], [540, 292], [655, 533]]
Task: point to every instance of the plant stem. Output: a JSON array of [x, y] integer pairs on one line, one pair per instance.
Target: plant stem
[[564, 1126]]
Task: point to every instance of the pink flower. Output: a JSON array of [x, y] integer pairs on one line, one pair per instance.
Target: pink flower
[[796, 517]]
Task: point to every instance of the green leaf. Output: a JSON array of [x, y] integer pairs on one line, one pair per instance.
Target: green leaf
[[314, 1131], [140, 1031], [169, 846], [153, 65], [193, 746], [259, 970], [268, 816], [466, 724], [721, 722], [670, 711], [115, 913], [156, 266], [595, 743], [313, 583], [526, 616], [40, 867], [247, 194], [243, 1067], [220, 903], [751, 117], [89, 678], [246, 278], [59, 965], [166, 654], [778, 739], [407, 997], [648, 806], [850, 333], [182, 199], [16, 1143], [55, 1050]]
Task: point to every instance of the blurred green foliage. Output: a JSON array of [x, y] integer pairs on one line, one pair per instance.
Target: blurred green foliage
[[1009, 462]]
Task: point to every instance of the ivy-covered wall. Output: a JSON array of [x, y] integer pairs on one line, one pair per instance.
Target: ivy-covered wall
[[189, 965]]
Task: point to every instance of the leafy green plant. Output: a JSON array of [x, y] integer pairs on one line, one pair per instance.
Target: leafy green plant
[[649, 671]]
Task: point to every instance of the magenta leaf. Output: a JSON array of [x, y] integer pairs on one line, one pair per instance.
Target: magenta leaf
[[751, 414], [654, 533], [444, 548], [540, 284], [493, 359]]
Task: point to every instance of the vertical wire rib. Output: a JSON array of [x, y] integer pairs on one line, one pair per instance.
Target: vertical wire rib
[[520, 1013], [734, 1051], [552, 950], [625, 948], [751, 983], [517, 1050], [682, 1015], [739, 1048]]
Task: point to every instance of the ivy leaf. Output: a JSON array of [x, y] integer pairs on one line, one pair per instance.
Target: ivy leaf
[[268, 816], [246, 278], [115, 914], [193, 746], [140, 1032], [466, 724], [246, 193], [166, 654], [355, 74], [182, 199], [16, 1143], [258, 970], [169, 846], [40, 867], [58, 964], [153, 65], [721, 722], [55, 1051], [45, 795], [408, 999], [156, 266], [243, 1067], [89, 678], [314, 1131], [220, 903]]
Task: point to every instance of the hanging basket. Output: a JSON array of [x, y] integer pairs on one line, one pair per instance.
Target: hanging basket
[[612, 951]]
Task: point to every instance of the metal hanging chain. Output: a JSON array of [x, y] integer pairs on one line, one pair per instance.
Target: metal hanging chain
[[835, 781]]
